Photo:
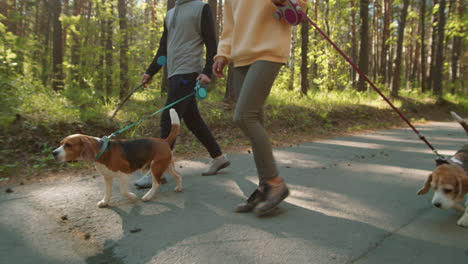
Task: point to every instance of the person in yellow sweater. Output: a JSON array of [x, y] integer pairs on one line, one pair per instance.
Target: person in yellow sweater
[[258, 45]]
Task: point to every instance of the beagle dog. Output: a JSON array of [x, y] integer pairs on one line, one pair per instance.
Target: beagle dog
[[450, 181], [123, 157]]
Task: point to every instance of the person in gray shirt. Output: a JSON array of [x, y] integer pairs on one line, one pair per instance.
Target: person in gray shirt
[[188, 27]]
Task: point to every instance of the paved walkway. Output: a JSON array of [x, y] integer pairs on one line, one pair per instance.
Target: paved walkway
[[353, 200]]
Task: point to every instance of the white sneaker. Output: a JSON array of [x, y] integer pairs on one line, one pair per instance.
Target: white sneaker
[[217, 165], [146, 180]]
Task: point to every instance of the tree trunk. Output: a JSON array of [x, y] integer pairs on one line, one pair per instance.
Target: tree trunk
[[385, 36], [313, 63], [415, 61], [4, 8], [57, 49], [422, 18], [36, 57], [327, 16], [401, 32], [304, 57], [373, 42], [45, 30], [15, 22], [124, 82], [108, 50], [75, 47], [21, 11], [457, 47], [354, 42], [12, 22], [430, 79], [364, 47], [439, 63], [99, 86], [66, 12]]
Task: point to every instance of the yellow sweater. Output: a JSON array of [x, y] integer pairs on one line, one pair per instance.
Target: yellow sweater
[[251, 33]]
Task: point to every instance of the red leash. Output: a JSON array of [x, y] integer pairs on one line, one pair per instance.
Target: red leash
[[292, 13]]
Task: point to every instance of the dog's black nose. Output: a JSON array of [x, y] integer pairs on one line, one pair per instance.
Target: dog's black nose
[[438, 205], [55, 153]]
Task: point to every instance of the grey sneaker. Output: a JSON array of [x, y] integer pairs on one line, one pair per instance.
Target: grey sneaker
[[274, 194], [255, 198], [146, 181], [217, 165]]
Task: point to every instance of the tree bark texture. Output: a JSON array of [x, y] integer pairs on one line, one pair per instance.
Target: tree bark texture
[[364, 47], [57, 48], [398, 59]]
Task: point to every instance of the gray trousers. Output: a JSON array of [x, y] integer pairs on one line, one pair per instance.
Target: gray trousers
[[253, 84]]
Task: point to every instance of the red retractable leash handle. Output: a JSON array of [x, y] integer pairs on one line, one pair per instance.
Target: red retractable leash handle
[[292, 13]]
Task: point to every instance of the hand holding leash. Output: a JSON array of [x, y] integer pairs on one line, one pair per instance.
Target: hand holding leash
[[203, 78], [200, 92], [289, 10], [146, 79], [218, 67]]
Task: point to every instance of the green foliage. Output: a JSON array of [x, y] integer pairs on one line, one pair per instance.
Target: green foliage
[[43, 106], [44, 157]]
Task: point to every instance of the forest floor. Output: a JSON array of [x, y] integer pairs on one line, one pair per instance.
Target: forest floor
[[26, 156]]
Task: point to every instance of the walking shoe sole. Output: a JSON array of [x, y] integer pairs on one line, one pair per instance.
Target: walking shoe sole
[[163, 181], [225, 165], [244, 209], [262, 212]]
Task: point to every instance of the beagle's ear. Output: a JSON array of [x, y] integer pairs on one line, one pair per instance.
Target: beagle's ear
[[88, 151], [427, 185]]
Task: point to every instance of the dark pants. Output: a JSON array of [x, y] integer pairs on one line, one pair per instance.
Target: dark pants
[[179, 86]]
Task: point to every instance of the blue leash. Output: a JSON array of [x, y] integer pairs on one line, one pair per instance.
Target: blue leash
[[199, 92]]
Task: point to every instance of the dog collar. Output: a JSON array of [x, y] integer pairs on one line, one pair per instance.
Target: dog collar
[[105, 143], [457, 161]]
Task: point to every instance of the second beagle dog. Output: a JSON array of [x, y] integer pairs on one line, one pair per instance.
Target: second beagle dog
[[450, 181]]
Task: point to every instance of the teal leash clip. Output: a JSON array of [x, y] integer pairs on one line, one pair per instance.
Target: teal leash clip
[[199, 92]]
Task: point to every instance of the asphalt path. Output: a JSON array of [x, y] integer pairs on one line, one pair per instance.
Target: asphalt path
[[353, 200]]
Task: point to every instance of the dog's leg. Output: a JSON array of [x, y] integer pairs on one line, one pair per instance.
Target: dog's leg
[[157, 169], [108, 192], [124, 188], [174, 173], [463, 221]]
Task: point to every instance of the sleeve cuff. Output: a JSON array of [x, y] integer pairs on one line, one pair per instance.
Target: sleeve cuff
[[229, 60]]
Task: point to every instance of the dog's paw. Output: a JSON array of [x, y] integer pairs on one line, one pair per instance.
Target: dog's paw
[[177, 189], [463, 221], [146, 198], [132, 196], [102, 204]]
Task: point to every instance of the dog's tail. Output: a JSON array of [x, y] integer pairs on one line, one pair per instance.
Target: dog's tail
[[175, 126], [460, 120]]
